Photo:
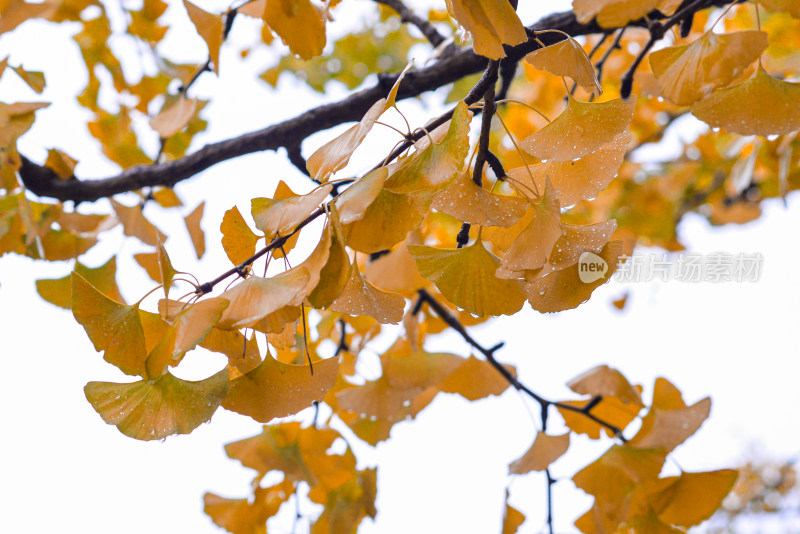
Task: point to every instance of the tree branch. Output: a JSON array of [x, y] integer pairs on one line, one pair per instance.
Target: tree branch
[[406, 15]]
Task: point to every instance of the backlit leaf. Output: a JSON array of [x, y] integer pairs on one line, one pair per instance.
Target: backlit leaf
[[395, 271], [545, 450], [362, 298], [532, 247], [34, 79], [466, 278], [61, 163], [387, 220], [512, 518], [692, 498], [166, 270], [617, 472], [575, 240], [149, 410], [256, 297], [761, 105], [335, 273], [238, 240], [240, 516], [567, 58], [300, 25], [492, 24], [352, 204], [610, 409], [582, 128], [174, 118], [136, 225], [475, 379], [281, 216], [196, 231], [603, 381], [103, 279], [475, 205], [209, 26], [790, 6], [613, 13]]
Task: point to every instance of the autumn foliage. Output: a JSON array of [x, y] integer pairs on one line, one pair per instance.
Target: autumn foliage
[[483, 211]]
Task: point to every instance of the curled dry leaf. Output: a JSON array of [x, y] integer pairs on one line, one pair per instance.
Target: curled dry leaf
[[567, 58], [149, 410], [545, 450]]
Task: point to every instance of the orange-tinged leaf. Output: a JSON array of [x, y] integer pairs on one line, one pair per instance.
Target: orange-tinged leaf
[[196, 231], [166, 198], [790, 6], [690, 72], [281, 216], [579, 179], [615, 473], [610, 409], [761, 105], [434, 165], [396, 272], [512, 518], [174, 118], [103, 279], [693, 497], [275, 389], [604, 381], [582, 128], [466, 278], [61, 163], [135, 224], [564, 289], [34, 79], [242, 353], [149, 410], [149, 262], [387, 220], [646, 524], [188, 329], [475, 379], [300, 25], [359, 297], [472, 204], [532, 246], [166, 270], [256, 297], [79, 223], [335, 273], [210, 27], [112, 327], [241, 516], [613, 13], [545, 450], [575, 240], [238, 240], [567, 58], [352, 204], [492, 24]]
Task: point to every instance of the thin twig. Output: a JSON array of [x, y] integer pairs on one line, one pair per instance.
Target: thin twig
[[406, 15]]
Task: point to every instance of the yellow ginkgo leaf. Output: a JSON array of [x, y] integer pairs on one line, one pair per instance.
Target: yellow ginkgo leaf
[[532, 247], [275, 389], [688, 73], [335, 273], [761, 105], [396, 271], [567, 58], [112, 327], [209, 26], [188, 329], [790, 6], [492, 24], [135, 224], [434, 165], [242, 516], [545, 450], [300, 25], [352, 204], [256, 297], [174, 118], [575, 240], [103, 279], [475, 379], [196, 233], [149, 410], [387, 220], [238, 240], [280, 216], [166, 198], [580, 179], [582, 128], [612, 476], [692, 498], [603, 381], [610, 409], [166, 271], [512, 518], [362, 298], [467, 202], [465, 276], [34, 79], [613, 13], [242, 353], [61, 163]]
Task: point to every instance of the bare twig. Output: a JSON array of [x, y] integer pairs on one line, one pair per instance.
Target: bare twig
[[406, 15]]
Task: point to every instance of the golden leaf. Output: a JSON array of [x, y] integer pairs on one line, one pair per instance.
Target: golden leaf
[[492, 24], [61, 163], [135, 224], [300, 25], [280, 216], [33, 79], [387, 220], [512, 518], [613, 13], [603, 381], [256, 297], [241, 516], [359, 297], [532, 246], [567, 58], [174, 118], [575, 240], [195, 230], [103, 279], [617, 472], [149, 410], [692, 498], [395, 271], [209, 27], [475, 379], [545, 450], [238, 240], [790, 6], [335, 273], [352, 204], [610, 409], [472, 204]]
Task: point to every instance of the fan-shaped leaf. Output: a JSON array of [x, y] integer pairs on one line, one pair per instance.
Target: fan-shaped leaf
[[492, 24], [256, 297], [238, 240], [567, 58], [472, 204], [545, 450], [362, 298]]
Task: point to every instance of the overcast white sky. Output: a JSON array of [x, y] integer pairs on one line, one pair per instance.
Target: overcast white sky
[[63, 468]]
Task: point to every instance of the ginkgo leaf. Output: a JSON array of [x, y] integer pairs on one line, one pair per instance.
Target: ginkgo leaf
[[434, 165], [149, 410], [102, 278], [112, 327], [242, 353], [238, 240], [475, 379], [396, 272], [61, 163], [280, 216], [690, 72], [468, 202], [352, 204], [761, 105], [576, 240], [492, 24], [196, 233], [188, 329], [582, 128], [256, 297], [532, 246], [567, 58], [166, 269], [136, 225], [692, 498], [790, 6], [149, 262], [466, 278], [387, 220], [613, 13], [670, 421], [209, 27], [578, 179], [241, 516], [604, 381], [564, 289], [154, 328], [359, 297], [335, 273], [276, 389], [300, 25], [166, 197], [615, 474], [174, 118], [512, 518], [610, 409], [34, 79], [545, 450]]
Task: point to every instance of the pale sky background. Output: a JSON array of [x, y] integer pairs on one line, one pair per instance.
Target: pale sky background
[[64, 469]]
